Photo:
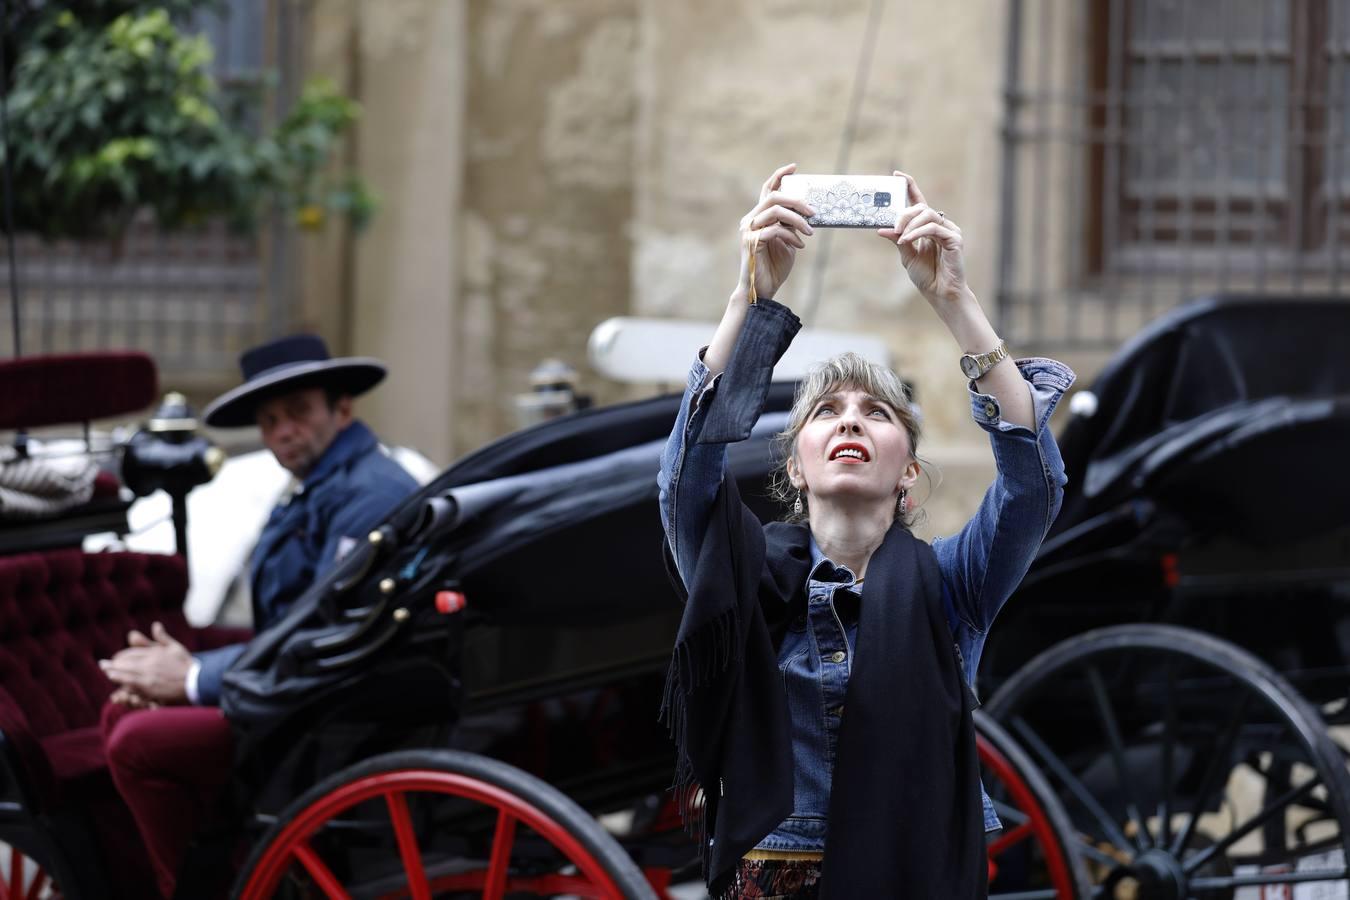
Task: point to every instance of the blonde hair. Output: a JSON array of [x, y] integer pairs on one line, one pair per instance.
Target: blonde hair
[[847, 371]]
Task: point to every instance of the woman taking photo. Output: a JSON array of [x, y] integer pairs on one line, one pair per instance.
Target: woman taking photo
[[819, 689]]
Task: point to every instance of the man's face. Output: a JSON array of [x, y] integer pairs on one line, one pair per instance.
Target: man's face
[[298, 427]]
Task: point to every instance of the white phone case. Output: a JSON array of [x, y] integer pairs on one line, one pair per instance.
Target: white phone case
[[849, 201]]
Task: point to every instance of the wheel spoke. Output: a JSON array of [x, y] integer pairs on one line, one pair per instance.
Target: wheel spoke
[[38, 884], [1218, 760], [1112, 729], [1255, 822], [1010, 839], [323, 877], [16, 861], [407, 846], [1110, 830], [1106, 859], [1168, 752], [1010, 814], [502, 839]]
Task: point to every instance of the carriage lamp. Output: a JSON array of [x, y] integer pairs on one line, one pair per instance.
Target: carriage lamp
[[553, 393], [168, 455]]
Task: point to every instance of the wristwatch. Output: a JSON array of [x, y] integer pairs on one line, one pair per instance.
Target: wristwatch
[[977, 365]]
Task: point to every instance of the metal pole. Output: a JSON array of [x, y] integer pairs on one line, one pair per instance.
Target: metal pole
[[1007, 202], [20, 436], [9, 188], [845, 144], [180, 523]]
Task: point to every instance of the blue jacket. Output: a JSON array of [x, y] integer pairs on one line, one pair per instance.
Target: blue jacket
[[980, 566], [350, 490]]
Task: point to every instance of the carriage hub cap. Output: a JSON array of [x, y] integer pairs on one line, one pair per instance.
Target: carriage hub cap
[[1155, 875]]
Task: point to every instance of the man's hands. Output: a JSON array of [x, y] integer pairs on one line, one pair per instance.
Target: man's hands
[[151, 671], [778, 223], [930, 248]]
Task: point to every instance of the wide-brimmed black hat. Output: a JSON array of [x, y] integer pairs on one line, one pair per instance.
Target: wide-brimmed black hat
[[290, 364]]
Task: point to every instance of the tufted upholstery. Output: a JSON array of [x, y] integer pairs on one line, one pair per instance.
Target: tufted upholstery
[[60, 612]]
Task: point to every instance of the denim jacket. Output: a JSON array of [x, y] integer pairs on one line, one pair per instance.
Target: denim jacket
[[350, 490], [981, 565]]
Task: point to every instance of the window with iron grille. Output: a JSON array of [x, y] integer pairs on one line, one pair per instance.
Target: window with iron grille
[[1203, 145], [193, 299]]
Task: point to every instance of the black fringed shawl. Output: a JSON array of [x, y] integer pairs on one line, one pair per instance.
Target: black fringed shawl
[[905, 816]]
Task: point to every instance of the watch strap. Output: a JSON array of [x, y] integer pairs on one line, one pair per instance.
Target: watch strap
[[987, 361]]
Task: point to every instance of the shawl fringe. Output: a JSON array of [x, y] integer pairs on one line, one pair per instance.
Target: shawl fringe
[[729, 887], [696, 661]]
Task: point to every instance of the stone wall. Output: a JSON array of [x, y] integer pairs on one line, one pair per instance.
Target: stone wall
[[548, 196], [544, 166], [730, 91]]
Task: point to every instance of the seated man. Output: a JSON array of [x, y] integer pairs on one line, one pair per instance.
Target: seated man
[[168, 746]]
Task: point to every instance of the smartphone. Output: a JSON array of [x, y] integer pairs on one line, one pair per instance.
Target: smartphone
[[849, 201]]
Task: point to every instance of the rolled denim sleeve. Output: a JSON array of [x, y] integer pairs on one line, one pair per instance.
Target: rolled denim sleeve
[[713, 413], [984, 563], [768, 331]]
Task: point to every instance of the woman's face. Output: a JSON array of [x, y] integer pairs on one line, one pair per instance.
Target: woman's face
[[853, 449]]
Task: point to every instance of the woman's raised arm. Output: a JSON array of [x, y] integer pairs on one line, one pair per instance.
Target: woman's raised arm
[[772, 233], [930, 247]]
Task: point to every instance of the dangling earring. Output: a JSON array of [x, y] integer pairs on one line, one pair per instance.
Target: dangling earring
[[797, 504], [901, 503]]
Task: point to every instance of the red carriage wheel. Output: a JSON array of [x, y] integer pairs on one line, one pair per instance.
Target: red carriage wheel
[[437, 823], [1036, 856], [24, 878]]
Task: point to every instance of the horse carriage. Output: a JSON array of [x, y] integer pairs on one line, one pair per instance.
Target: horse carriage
[[1192, 712], [466, 705]]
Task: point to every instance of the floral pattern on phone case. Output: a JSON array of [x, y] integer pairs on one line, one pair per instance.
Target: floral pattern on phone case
[[843, 204]]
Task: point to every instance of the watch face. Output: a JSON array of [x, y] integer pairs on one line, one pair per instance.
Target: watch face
[[970, 367]]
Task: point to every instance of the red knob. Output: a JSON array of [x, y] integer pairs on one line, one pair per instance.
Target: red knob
[[449, 602]]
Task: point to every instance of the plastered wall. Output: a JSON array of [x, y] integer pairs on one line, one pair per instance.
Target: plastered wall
[[545, 165]]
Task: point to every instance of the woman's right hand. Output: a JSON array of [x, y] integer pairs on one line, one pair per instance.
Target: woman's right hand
[[773, 230]]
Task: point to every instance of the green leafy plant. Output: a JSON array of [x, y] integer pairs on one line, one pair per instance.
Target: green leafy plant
[[118, 111]]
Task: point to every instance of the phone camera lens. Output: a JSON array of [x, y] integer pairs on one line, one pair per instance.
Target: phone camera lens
[[881, 198]]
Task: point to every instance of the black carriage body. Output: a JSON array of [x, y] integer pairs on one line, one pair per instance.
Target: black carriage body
[[564, 669], [557, 663], [1206, 490], [1208, 487]]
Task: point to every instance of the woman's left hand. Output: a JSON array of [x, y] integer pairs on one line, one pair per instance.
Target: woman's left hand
[[930, 248]]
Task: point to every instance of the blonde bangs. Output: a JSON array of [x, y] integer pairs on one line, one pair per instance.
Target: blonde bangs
[[849, 371]]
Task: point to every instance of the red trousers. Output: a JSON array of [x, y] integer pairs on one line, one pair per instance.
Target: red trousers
[[169, 765]]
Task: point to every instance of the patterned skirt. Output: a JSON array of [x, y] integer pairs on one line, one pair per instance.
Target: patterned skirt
[[777, 879]]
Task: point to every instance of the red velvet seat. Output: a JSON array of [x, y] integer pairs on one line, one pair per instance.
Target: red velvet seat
[[60, 612]]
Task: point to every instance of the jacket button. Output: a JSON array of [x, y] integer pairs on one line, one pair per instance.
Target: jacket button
[[837, 656], [837, 711], [990, 409]]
